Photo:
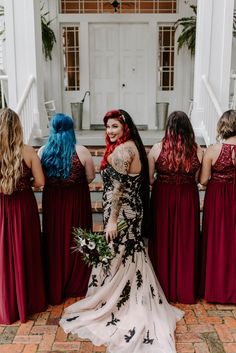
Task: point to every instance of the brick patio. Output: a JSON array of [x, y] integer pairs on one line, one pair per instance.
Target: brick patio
[[206, 328]]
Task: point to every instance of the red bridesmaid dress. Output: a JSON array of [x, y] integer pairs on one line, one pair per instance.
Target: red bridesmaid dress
[[219, 230], [174, 240]]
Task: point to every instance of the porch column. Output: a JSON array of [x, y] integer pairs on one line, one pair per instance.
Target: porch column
[[24, 56], [213, 53]]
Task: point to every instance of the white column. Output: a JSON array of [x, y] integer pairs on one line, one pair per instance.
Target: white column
[[202, 56], [24, 54], [213, 52], [221, 49]]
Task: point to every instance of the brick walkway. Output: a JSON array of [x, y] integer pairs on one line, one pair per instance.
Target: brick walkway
[[205, 328]]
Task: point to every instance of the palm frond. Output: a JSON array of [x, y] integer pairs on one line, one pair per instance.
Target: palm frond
[[188, 31]]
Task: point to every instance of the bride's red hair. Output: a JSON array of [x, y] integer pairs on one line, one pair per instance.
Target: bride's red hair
[[114, 114]]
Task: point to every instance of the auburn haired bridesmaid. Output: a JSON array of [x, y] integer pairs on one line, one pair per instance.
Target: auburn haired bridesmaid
[[174, 240], [219, 220]]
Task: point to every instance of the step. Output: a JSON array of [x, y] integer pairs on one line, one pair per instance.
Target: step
[[94, 186], [95, 138], [96, 207]]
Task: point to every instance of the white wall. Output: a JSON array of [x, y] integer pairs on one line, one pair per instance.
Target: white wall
[[24, 53], [53, 81], [52, 72], [179, 98]]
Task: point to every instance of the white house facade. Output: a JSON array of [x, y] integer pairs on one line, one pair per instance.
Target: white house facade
[[124, 55], [127, 60]]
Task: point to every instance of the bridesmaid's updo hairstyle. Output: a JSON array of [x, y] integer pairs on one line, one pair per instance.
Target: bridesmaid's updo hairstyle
[[226, 126], [57, 154]]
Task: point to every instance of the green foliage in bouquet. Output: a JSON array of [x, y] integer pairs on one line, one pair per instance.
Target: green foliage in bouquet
[[94, 246]]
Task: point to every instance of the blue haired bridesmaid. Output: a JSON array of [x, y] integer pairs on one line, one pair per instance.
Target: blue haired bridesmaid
[[66, 204]]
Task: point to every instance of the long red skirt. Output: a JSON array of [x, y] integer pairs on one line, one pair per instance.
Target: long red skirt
[[63, 209], [174, 239], [219, 243], [21, 272]]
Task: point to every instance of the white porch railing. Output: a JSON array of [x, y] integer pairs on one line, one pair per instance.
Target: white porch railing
[[232, 103], [212, 112], [4, 94], [26, 109]]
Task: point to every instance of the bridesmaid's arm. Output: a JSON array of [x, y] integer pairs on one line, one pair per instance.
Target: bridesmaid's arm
[[206, 167], [200, 153], [40, 152], [37, 170], [152, 157], [87, 161]]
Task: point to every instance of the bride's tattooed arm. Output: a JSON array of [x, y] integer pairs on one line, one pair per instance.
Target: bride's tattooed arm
[[121, 160]]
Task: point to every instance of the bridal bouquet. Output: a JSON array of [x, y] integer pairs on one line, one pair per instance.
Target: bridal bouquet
[[94, 246]]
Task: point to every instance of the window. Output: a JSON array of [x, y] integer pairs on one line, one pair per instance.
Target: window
[[121, 6], [166, 57], [70, 38]]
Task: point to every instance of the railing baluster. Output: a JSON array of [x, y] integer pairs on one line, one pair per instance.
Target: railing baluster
[[212, 111]]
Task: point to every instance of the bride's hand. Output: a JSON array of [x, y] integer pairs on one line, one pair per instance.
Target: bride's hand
[[111, 230]]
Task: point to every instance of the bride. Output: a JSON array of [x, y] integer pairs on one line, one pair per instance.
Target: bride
[[125, 308]]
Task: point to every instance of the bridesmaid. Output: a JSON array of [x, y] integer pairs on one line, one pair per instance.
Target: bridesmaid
[[219, 221], [173, 247], [21, 272], [66, 204]]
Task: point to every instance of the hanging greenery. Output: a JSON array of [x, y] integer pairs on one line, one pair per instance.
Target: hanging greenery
[[48, 36], [188, 34]]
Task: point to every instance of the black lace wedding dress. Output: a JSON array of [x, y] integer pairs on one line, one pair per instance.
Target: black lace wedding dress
[[125, 308]]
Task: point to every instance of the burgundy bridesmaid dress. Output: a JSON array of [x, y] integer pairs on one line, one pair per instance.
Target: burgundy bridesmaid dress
[[21, 272], [66, 204], [219, 230], [174, 240]]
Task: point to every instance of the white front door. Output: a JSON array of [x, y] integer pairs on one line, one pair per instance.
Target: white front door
[[118, 70]]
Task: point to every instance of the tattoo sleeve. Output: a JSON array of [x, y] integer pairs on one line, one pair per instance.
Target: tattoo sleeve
[[122, 158], [116, 200]]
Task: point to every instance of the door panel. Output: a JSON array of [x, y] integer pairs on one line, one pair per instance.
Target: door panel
[[133, 63], [118, 70], [104, 70]]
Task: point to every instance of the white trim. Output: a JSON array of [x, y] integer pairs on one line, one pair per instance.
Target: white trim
[[117, 18]]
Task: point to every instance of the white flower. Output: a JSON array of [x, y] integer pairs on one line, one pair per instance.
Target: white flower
[[91, 245], [82, 242], [105, 260]]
